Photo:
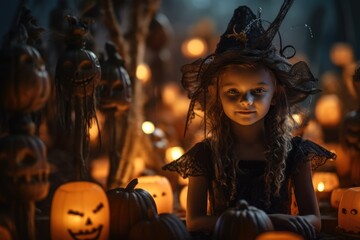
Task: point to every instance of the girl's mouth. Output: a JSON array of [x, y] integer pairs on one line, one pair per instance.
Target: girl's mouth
[[245, 112]]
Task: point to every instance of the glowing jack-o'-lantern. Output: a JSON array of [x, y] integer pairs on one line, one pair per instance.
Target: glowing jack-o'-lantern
[[79, 210], [160, 189], [279, 235], [349, 211], [336, 196]]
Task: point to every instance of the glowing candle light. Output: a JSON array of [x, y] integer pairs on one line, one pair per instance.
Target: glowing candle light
[[148, 127]]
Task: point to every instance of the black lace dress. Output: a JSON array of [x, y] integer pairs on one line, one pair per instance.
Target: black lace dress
[[250, 183]]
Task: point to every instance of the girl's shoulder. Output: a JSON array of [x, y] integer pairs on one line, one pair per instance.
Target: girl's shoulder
[[304, 150], [195, 162]]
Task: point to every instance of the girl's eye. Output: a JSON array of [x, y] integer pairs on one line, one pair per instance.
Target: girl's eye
[[258, 91], [232, 92]]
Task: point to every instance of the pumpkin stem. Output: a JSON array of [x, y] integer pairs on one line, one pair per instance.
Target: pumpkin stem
[[242, 204], [131, 185]]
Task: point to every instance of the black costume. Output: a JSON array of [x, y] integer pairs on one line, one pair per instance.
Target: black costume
[[250, 183]]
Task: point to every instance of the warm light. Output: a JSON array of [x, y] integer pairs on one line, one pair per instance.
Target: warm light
[[143, 72], [279, 235], [320, 187], [328, 110], [93, 131], [349, 211], [148, 127], [341, 54], [100, 169], [79, 210], [194, 48], [325, 181], [297, 118], [183, 197], [173, 153], [95, 127], [170, 93], [160, 189]]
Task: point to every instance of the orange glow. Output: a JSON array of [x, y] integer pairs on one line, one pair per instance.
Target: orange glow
[[173, 153], [160, 189], [143, 72], [193, 48], [328, 110], [321, 187], [148, 127]]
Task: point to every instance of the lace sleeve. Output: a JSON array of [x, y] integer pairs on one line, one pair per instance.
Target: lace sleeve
[[306, 150], [193, 163]]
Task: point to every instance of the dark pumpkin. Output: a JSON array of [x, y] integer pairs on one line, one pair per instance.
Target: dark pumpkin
[[242, 222], [114, 89], [164, 226], [77, 72], [23, 168], [128, 206], [25, 86]]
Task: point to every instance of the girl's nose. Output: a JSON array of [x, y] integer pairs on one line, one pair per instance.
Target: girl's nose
[[247, 100]]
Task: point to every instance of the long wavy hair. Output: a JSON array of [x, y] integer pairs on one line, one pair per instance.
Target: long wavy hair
[[277, 132]]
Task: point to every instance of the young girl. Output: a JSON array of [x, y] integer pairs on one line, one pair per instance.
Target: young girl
[[247, 90]]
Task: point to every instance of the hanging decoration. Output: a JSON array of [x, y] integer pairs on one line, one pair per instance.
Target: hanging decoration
[[77, 75], [113, 99]]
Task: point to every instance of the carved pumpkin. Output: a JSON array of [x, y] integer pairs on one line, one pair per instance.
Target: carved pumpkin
[[25, 85], [349, 211], [163, 226], [78, 72], [114, 89], [127, 207], [79, 210], [242, 222], [160, 189], [23, 168], [336, 196]]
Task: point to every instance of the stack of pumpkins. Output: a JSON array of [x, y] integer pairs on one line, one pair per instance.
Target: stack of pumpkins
[[80, 210], [133, 215]]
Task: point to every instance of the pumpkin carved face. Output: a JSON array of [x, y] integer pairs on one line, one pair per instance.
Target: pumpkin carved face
[[349, 211], [78, 72], [114, 89], [23, 160], [26, 85], [160, 189], [79, 210]]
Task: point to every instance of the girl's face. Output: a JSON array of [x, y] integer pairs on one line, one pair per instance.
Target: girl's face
[[246, 96]]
